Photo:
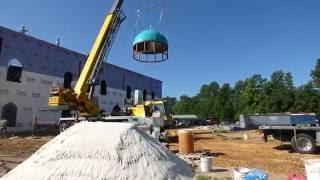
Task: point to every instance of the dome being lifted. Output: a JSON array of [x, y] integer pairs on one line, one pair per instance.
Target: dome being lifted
[[150, 42], [150, 35]]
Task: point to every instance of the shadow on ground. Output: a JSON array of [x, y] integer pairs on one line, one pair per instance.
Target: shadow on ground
[[207, 152], [173, 139], [284, 147], [202, 138], [219, 170], [288, 148]]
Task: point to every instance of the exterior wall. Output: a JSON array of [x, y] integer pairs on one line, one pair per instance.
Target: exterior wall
[[29, 96], [45, 64], [44, 58]]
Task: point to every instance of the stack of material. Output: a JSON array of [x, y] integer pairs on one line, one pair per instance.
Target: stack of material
[[97, 150]]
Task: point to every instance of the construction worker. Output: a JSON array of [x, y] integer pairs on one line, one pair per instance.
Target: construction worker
[[157, 124], [34, 125], [3, 128]]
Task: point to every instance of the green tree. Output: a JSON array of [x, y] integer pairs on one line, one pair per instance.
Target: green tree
[[223, 104], [281, 92], [169, 103], [238, 89], [306, 99], [254, 95], [186, 105], [205, 100], [315, 74], [208, 91]]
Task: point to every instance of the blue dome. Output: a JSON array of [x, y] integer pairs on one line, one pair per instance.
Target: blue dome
[[150, 35]]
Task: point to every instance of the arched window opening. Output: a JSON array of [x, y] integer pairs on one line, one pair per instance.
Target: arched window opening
[[103, 88], [88, 89], [129, 92], [9, 113], [66, 113], [67, 80], [144, 95], [79, 69], [116, 108], [14, 71], [152, 95]]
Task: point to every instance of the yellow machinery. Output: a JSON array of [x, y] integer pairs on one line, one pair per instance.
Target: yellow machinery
[[81, 97], [147, 108]]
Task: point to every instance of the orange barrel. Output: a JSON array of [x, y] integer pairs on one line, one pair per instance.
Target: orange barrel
[[186, 141]]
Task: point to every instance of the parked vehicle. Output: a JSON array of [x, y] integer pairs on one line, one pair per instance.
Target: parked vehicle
[[303, 138]]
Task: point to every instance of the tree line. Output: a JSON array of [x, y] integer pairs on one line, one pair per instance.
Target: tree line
[[255, 94]]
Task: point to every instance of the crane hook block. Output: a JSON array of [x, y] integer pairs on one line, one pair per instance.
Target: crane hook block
[[150, 46]]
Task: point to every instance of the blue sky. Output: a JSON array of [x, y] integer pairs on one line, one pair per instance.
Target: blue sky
[[210, 40]]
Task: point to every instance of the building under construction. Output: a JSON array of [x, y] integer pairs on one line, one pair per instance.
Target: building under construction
[[29, 67]]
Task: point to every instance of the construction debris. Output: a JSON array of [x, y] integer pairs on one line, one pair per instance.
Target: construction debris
[[195, 156], [188, 160], [102, 151]]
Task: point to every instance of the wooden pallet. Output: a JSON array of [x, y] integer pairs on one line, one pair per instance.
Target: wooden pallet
[[192, 157], [195, 156]]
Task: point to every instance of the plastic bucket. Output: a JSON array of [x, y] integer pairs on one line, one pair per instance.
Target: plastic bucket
[[245, 136], [156, 132], [240, 173], [312, 169], [294, 176], [205, 164], [257, 174]]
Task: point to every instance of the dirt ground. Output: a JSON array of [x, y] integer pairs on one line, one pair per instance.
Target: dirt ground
[[13, 151], [229, 150]]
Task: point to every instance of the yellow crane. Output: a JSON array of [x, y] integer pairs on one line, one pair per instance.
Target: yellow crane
[[79, 97], [148, 42]]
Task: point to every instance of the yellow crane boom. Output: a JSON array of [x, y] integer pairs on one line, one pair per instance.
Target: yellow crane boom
[[98, 47], [79, 96]]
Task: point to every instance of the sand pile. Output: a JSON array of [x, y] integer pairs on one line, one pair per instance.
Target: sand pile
[[97, 150]]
